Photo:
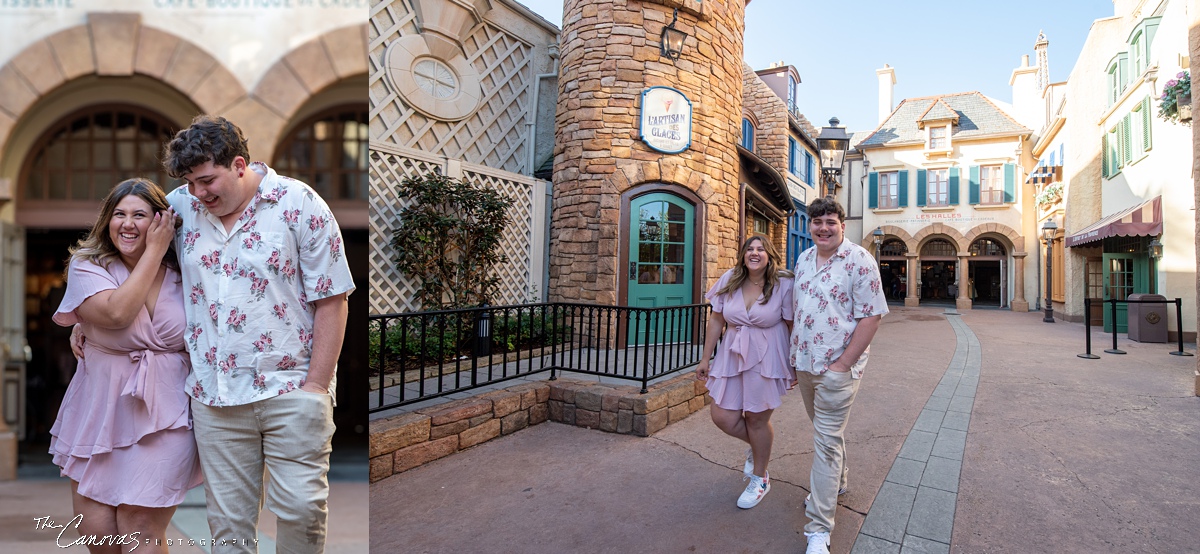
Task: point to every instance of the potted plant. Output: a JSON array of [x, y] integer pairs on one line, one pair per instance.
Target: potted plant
[[1049, 195], [1175, 104]]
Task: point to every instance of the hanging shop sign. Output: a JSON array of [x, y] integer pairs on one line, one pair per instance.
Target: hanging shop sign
[[666, 120]]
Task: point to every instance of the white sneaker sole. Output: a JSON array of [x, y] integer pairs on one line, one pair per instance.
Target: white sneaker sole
[[756, 500]]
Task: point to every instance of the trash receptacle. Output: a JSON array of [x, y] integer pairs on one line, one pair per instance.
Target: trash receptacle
[[1147, 322]]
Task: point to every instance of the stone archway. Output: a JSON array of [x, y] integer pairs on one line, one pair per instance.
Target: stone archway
[[1012, 240]]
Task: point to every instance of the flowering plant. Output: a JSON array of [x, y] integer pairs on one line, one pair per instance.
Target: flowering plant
[[1176, 93], [1050, 194]]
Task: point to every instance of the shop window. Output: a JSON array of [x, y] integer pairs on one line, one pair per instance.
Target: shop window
[[893, 247], [82, 156], [329, 152], [986, 247], [938, 247]]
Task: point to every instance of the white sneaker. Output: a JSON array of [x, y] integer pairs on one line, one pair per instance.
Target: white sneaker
[[748, 469], [755, 491], [818, 543]]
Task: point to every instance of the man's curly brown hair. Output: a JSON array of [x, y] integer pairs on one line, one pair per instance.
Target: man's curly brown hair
[[209, 138]]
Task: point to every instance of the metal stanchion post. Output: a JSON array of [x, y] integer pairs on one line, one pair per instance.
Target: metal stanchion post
[[1113, 319], [1179, 333], [1087, 329]]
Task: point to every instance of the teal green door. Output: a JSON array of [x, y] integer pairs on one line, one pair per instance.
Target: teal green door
[[661, 246], [1124, 274]]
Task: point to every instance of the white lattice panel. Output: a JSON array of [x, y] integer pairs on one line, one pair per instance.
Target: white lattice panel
[[494, 135], [392, 291]]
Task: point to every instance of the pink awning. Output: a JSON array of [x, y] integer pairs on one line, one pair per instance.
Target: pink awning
[[1142, 220]]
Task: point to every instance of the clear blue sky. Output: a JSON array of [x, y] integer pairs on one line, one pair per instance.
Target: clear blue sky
[[936, 46]]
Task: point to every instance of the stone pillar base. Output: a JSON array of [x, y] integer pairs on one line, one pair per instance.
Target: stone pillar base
[[911, 302], [962, 304], [1020, 306], [8, 455]]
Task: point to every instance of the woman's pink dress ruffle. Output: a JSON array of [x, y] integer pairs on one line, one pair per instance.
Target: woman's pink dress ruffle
[[750, 371]]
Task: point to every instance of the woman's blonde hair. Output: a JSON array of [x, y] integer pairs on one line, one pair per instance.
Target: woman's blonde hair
[[97, 247], [775, 268]]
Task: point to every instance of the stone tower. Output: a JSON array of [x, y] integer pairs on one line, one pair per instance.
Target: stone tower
[[610, 55]]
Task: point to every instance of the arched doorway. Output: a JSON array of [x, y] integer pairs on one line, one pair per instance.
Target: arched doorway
[[71, 167], [987, 273], [939, 261], [893, 269], [661, 254]]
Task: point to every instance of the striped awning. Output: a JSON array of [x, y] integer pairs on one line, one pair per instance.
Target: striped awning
[[1044, 174], [1142, 220]]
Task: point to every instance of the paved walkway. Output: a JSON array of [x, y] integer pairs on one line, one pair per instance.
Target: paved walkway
[[40, 492], [981, 432]]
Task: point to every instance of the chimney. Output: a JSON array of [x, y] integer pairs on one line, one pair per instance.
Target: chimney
[[1026, 97], [887, 85]]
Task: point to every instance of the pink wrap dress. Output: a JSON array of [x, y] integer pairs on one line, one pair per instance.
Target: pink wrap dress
[[750, 371], [124, 430]]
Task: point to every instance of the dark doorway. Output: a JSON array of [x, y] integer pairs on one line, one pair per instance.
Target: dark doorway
[[937, 282], [985, 282], [895, 280]]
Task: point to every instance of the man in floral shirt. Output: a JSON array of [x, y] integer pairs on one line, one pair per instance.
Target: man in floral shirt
[[839, 303], [267, 280]]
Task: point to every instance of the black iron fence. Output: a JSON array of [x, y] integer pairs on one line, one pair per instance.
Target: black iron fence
[[422, 355], [1087, 325]]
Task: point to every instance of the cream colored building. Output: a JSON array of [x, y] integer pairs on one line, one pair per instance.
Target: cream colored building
[[1125, 174], [941, 178], [89, 91]]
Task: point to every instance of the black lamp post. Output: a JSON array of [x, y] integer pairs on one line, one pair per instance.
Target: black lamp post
[[672, 39], [833, 142], [1048, 231]]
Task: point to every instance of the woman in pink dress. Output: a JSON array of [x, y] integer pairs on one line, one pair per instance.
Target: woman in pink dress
[[752, 307], [123, 434]]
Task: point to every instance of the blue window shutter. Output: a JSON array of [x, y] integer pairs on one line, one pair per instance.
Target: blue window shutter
[[811, 170], [1010, 182], [954, 186], [921, 187], [1104, 154], [873, 191], [973, 187], [791, 156], [903, 194]]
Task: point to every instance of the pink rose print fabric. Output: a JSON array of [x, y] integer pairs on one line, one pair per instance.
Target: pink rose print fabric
[[250, 323], [829, 301]]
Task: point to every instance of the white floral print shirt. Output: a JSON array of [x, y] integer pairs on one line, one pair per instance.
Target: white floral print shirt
[[829, 302], [250, 322]]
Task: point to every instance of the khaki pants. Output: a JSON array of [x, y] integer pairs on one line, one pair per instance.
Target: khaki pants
[[827, 398], [288, 436]]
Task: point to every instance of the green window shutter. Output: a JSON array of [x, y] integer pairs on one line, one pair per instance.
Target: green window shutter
[[920, 187], [1126, 147], [973, 187], [1010, 182], [873, 191], [1104, 151], [903, 194], [1146, 142], [954, 186]]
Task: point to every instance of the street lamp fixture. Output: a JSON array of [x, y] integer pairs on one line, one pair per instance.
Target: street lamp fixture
[[1049, 229], [1156, 249], [878, 234], [672, 39], [833, 142]]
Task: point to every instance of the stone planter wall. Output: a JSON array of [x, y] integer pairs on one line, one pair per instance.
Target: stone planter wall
[[403, 442]]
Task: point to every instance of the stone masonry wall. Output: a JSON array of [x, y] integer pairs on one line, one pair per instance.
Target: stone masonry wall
[[609, 55], [770, 138], [403, 442]]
